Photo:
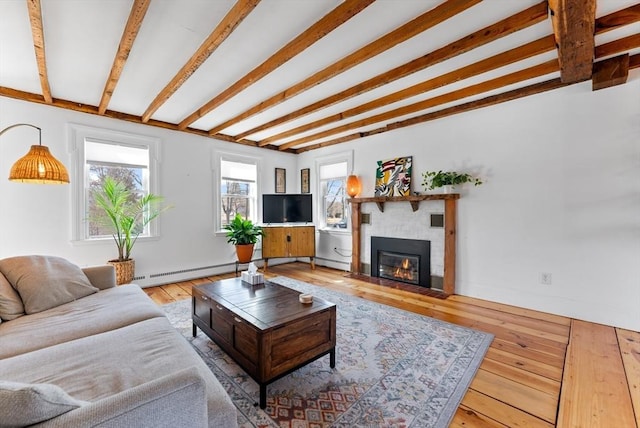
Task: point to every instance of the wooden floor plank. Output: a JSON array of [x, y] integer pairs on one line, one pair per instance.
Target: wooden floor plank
[[509, 391], [466, 417], [555, 359], [542, 369], [501, 307], [490, 408], [521, 375], [159, 296], [176, 291], [595, 392], [629, 342]]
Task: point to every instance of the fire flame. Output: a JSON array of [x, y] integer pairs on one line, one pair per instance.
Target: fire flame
[[403, 271]]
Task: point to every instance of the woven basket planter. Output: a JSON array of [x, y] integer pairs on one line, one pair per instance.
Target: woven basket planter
[[125, 271]]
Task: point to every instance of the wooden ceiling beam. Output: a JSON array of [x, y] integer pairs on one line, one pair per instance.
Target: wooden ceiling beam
[[37, 32], [574, 24], [138, 11], [528, 50], [228, 24], [618, 19], [89, 109], [412, 28], [479, 88], [610, 72], [524, 19], [450, 111], [618, 46], [338, 16]]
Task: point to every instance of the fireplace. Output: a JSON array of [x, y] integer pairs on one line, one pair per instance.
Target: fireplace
[[404, 260]]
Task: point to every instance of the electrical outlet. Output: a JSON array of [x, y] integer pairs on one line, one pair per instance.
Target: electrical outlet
[[545, 278]]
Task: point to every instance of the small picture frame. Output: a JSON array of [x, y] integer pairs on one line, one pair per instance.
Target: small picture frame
[[281, 180], [304, 181]]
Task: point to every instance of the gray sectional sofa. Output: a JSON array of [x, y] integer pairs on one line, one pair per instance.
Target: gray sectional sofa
[[77, 351]]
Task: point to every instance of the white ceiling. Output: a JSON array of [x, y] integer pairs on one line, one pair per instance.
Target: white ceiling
[[82, 38]]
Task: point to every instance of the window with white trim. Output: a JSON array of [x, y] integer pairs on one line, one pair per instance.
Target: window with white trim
[[332, 174], [100, 153], [238, 189]]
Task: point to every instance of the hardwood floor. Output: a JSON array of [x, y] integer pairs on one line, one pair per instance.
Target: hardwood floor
[[542, 370]]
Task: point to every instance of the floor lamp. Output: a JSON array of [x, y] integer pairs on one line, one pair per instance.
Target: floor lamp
[[39, 165]]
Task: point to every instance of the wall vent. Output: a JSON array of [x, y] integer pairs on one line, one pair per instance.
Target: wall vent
[[136, 278]]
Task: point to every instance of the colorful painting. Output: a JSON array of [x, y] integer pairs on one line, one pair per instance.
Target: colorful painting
[[393, 177]]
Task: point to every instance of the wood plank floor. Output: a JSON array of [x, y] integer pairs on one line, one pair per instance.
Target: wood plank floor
[[542, 370]]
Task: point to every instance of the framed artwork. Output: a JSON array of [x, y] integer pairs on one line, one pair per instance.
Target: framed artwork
[[393, 177], [281, 180], [304, 180]]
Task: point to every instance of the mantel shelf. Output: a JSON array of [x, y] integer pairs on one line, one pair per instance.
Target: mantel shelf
[[414, 200]]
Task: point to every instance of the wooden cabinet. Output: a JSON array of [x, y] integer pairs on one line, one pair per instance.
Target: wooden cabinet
[[288, 241]]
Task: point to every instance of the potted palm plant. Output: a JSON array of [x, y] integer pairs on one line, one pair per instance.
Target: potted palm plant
[[126, 216], [242, 233], [447, 180]]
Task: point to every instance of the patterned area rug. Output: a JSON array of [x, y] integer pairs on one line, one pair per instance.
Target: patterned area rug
[[393, 369]]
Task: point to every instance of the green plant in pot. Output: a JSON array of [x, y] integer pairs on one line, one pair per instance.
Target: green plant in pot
[[447, 179], [126, 216], [242, 233]]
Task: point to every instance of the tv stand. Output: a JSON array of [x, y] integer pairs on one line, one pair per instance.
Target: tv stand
[[288, 241]]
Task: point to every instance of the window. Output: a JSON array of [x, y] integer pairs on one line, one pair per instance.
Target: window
[[99, 153], [238, 189], [332, 173]]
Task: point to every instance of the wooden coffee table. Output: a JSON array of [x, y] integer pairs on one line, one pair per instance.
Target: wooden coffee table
[[265, 328]]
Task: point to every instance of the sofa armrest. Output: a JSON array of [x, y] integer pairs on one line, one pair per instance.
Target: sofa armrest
[[101, 277], [176, 400]]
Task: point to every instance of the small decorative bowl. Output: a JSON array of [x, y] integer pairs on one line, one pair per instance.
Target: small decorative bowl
[[305, 298]]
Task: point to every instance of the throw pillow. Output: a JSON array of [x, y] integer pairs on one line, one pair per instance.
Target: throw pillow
[[11, 306], [23, 404], [45, 282]]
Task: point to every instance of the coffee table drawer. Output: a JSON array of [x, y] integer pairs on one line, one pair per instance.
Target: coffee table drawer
[[202, 307], [246, 340], [297, 341], [221, 322]]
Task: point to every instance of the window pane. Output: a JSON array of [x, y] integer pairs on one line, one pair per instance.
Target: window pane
[[134, 179], [118, 154], [238, 191], [334, 203], [333, 170], [235, 199]]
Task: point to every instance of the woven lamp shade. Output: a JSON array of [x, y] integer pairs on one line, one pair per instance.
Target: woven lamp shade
[[39, 166]]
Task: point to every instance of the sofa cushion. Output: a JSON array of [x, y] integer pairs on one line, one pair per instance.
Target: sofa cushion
[[11, 306], [44, 282], [23, 404], [106, 310]]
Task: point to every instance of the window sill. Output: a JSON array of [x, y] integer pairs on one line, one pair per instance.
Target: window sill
[[109, 240], [335, 231]]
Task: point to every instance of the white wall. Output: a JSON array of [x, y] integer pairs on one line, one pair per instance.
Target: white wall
[[36, 219], [561, 196]]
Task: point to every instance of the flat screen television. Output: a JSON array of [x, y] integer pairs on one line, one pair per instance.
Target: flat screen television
[[287, 208]]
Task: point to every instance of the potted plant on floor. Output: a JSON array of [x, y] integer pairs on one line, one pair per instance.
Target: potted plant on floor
[[447, 180], [126, 216], [243, 234]]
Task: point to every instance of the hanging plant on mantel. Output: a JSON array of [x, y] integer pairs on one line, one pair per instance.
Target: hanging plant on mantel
[[447, 180]]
